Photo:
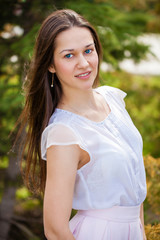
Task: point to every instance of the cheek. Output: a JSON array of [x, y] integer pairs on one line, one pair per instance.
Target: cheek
[[95, 61], [62, 68]]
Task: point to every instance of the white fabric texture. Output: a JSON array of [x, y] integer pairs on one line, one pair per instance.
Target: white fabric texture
[[115, 174], [57, 134]]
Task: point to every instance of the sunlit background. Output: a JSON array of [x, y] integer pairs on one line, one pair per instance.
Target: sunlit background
[[130, 36]]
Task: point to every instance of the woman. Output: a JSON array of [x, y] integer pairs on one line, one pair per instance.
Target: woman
[[93, 150]]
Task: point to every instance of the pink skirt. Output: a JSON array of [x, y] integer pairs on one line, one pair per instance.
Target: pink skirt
[[116, 223]]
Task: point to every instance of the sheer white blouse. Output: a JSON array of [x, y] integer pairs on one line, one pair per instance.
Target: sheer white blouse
[[115, 174]]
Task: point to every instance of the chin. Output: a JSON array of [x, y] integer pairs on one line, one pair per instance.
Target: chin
[[88, 85]]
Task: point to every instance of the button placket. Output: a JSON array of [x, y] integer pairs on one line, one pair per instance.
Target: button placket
[[134, 162], [109, 124], [133, 155]]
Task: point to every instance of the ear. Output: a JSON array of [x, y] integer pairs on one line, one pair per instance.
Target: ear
[[51, 69]]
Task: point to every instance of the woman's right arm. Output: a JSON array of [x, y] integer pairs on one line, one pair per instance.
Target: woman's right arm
[[62, 163]]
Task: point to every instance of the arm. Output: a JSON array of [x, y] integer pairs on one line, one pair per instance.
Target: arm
[[62, 163], [142, 221]]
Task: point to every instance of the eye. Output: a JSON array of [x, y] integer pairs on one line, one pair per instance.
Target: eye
[[88, 51], [69, 55]]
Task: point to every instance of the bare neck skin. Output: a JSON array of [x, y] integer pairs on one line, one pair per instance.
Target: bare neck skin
[[86, 103], [82, 100]]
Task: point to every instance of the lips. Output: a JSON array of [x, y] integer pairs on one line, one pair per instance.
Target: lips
[[85, 74]]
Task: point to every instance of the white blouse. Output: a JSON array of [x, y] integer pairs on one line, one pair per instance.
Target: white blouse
[[115, 174]]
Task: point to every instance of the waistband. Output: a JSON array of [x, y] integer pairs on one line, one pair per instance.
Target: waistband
[[116, 213]]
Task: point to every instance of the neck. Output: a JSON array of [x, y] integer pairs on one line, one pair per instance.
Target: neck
[[80, 99]]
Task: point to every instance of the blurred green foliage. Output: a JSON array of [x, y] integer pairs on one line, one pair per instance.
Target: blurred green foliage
[[117, 29], [152, 166], [22, 193], [118, 24]]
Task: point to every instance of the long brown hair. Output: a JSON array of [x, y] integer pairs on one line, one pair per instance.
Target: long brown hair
[[40, 99]]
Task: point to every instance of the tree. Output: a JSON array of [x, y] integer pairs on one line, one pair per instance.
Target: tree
[[20, 20]]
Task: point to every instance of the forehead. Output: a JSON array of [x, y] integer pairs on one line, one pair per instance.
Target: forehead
[[72, 38]]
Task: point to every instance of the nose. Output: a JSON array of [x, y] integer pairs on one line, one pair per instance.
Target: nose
[[82, 62]]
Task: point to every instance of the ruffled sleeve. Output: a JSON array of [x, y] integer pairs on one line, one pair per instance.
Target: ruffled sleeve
[[57, 134], [117, 94], [120, 95]]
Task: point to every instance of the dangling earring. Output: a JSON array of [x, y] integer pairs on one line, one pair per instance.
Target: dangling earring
[[52, 79]]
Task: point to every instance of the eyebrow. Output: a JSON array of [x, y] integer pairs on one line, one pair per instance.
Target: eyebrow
[[70, 50]]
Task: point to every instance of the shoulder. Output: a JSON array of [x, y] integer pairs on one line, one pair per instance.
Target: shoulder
[[113, 93], [58, 133], [60, 116]]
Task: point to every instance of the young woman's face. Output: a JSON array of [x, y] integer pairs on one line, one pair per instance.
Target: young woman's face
[[75, 59]]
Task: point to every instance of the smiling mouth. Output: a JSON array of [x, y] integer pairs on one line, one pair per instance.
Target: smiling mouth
[[83, 74]]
